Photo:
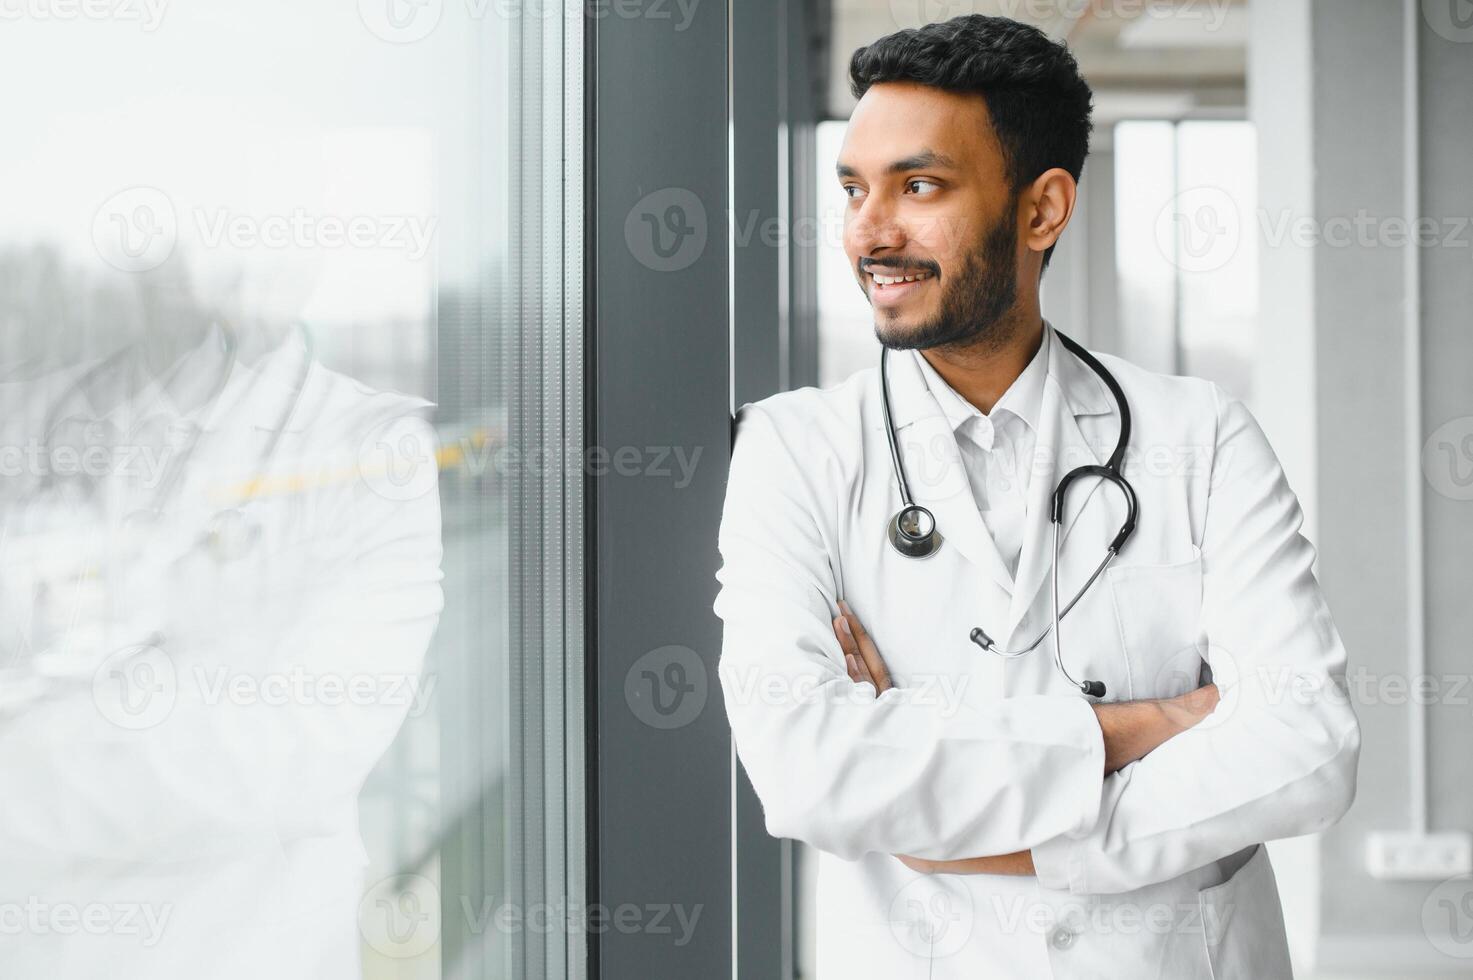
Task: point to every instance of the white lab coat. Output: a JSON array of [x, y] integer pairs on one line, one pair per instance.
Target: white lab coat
[[219, 837], [1156, 871]]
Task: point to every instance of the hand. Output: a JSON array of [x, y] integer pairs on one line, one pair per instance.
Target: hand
[[1131, 729], [861, 656], [1017, 863], [1189, 708]]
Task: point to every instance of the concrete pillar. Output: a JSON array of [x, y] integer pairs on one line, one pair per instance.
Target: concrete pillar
[[1363, 121]]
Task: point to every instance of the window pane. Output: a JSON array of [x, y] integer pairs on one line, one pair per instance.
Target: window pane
[[1145, 243], [1186, 242], [1219, 276], [846, 324], [288, 372]]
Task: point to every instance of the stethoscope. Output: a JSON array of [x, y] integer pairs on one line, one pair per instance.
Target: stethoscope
[[912, 531]]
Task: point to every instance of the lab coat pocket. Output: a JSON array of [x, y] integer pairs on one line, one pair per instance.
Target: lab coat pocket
[[1158, 614], [1243, 924]]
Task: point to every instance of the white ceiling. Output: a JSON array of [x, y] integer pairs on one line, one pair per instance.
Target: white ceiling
[[1144, 58]]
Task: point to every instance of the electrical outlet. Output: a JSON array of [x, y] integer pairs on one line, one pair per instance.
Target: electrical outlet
[[1418, 856]]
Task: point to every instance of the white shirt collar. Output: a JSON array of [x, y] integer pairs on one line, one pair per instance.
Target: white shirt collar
[[1023, 399]]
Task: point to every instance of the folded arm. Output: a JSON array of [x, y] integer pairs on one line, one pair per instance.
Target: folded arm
[[1277, 757], [876, 772], [1130, 730]]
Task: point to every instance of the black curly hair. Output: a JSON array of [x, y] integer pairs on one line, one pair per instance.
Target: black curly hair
[[1038, 101]]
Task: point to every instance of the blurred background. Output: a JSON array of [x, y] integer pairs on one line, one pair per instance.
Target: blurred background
[[433, 313]]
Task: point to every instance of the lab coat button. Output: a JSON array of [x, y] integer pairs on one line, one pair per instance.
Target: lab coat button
[[1063, 938]]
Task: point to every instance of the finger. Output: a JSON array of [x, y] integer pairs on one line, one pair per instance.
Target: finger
[[852, 653], [853, 663], [847, 643], [915, 864], [849, 660], [1203, 700], [868, 652], [876, 666]]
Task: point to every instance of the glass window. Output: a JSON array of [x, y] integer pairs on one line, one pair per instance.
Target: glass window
[[1219, 267], [289, 369], [846, 323], [1186, 247]]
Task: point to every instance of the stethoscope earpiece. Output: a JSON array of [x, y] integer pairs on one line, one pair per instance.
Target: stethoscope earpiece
[[913, 532]]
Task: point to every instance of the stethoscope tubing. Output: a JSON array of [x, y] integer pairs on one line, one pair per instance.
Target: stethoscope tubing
[[905, 497], [1043, 634], [915, 545]]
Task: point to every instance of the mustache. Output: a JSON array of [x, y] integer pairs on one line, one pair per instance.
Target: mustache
[[867, 266]]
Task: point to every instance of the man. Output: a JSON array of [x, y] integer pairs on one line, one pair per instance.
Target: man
[[209, 636], [979, 816]]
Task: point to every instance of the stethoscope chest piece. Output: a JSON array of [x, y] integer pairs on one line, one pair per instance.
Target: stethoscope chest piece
[[913, 532]]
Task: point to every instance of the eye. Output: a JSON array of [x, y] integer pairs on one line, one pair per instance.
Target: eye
[[853, 191], [917, 182]]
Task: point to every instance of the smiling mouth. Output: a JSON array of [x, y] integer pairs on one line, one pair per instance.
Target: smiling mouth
[[883, 282]]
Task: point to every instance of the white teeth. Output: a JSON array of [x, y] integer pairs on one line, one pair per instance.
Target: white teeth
[[891, 280]]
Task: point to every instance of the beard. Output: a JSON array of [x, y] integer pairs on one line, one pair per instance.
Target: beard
[[975, 305]]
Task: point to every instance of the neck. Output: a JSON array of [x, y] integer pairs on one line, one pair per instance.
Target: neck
[[981, 372], [189, 366]]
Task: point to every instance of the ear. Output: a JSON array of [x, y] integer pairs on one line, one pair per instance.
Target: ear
[[1046, 206]]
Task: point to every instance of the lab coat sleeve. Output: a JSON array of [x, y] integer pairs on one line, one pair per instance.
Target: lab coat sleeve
[[370, 628], [1277, 757], [835, 766]]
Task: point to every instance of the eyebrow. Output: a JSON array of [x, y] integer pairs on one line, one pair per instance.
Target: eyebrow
[[924, 160]]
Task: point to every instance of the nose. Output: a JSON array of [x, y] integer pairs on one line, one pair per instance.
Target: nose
[[871, 227]]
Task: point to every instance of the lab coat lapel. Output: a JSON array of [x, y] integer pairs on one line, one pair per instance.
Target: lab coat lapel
[[1072, 395], [934, 468]]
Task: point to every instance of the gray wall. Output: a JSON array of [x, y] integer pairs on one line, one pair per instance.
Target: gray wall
[[774, 346], [660, 783]]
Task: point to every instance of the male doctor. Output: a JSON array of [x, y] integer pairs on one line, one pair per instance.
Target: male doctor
[[202, 658], [979, 816]]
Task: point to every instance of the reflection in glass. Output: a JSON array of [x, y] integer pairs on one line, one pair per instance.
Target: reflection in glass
[[263, 365]]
